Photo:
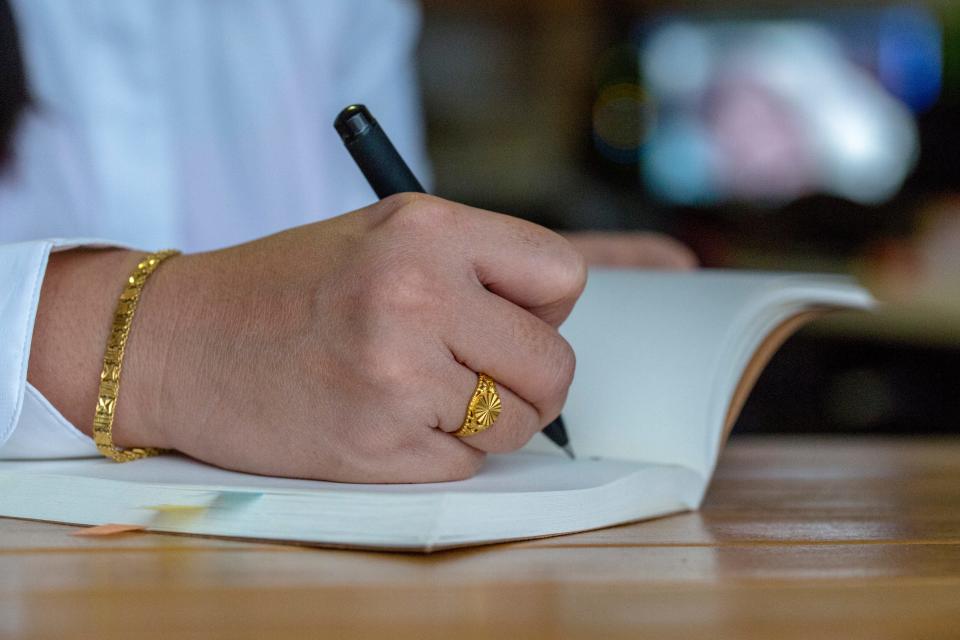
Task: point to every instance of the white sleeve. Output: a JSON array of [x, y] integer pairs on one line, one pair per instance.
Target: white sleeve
[[30, 427]]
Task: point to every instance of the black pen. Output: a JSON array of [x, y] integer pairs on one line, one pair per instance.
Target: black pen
[[388, 174]]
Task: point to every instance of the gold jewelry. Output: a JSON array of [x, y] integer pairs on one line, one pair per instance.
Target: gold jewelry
[[113, 361], [483, 410]]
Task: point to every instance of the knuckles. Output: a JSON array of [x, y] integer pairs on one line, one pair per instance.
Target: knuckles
[[419, 214], [403, 272]]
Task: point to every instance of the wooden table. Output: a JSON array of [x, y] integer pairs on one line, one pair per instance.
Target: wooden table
[[799, 538]]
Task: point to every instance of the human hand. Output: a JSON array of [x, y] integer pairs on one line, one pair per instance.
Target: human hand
[[347, 349], [632, 249]]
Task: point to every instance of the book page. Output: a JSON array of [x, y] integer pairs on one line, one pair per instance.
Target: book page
[[659, 356]]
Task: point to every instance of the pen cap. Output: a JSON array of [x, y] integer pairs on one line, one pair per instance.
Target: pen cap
[[374, 154], [353, 121]]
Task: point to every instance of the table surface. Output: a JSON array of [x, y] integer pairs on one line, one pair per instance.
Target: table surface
[[799, 538]]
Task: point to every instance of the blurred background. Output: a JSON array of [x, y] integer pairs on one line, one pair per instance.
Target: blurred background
[[809, 136]]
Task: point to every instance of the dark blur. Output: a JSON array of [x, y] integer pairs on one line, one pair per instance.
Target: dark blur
[[777, 135]]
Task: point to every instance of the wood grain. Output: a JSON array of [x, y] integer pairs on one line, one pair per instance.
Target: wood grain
[[799, 538]]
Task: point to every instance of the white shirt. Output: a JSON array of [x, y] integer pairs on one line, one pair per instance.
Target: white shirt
[[194, 125]]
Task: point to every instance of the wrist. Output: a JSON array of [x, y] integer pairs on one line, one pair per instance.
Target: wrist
[[158, 380], [80, 292]]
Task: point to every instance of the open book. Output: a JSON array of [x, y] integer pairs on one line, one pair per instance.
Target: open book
[[664, 363]]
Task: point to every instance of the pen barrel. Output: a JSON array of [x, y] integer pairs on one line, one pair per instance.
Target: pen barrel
[[380, 163]]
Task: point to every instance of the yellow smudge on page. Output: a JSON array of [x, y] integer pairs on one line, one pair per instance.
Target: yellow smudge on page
[[178, 508]]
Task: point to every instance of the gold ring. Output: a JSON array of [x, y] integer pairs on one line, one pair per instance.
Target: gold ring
[[483, 410]]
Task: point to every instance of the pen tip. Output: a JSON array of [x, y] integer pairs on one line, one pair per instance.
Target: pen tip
[[569, 451]]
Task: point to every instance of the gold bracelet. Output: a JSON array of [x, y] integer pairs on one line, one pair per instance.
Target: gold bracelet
[[113, 361]]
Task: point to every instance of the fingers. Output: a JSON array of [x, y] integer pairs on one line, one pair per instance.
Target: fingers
[[483, 291], [445, 458], [524, 263], [517, 423], [520, 351], [528, 265], [626, 249], [436, 457]]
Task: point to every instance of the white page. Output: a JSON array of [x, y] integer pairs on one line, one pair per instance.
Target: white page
[[659, 354], [785, 297]]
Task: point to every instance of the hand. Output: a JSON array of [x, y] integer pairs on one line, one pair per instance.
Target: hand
[[632, 249], [343, 350]]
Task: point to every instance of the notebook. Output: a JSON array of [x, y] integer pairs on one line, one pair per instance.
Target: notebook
[[665, 362]]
